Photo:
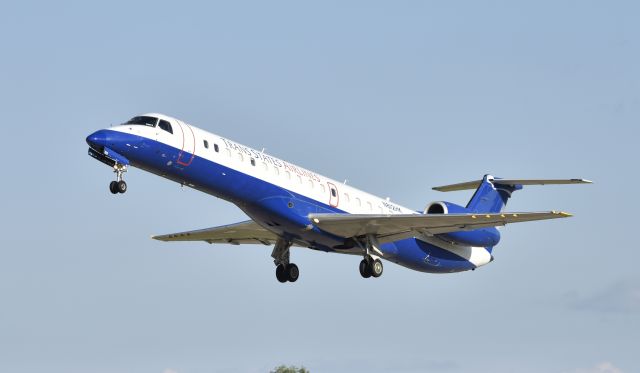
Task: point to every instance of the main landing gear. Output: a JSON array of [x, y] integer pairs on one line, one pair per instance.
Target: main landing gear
[[371, 265], [118, 185], [285, 271]]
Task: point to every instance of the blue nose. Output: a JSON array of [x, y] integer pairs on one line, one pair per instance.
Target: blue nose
[[98, 139]]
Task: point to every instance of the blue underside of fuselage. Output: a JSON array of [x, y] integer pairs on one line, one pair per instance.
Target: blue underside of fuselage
[[268, 204]]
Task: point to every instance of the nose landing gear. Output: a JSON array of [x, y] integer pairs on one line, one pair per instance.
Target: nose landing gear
[[118, 185]]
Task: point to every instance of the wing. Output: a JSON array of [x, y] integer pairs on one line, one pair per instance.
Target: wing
[[394, 227], [247, 232]]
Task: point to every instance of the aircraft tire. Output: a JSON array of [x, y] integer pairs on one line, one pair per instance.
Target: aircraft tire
[[122, 186], [280, 273], [365, 271], [376, 268], [113, 187], [292, 272]]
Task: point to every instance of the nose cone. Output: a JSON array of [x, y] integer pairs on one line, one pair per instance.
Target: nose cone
[[98, 139]]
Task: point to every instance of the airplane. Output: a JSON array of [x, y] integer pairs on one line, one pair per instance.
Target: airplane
[[290, 206]]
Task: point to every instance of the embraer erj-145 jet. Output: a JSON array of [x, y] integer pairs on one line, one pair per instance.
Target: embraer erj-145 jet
[[291, 206]]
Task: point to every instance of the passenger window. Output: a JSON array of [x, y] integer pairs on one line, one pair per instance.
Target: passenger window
[[370, 206], [216, 148], [276, 171], [229, 153], [346, 197], [253, 162], [166, 126], [206, 144], [240, 157], [323, 188], [310, 183], [299, 179], [358, 202], [334, 193]]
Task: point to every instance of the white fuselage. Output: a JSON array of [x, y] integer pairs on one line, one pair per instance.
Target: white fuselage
[[265, 167]]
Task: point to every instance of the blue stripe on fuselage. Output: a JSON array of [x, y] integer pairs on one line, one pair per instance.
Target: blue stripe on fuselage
[[269, 204]]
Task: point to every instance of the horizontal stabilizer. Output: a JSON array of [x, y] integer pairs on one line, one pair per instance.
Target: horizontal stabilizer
[[474, 184], [393, 227]]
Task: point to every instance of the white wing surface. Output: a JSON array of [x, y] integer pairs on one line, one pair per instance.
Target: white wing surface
[[247, 232], [394, 227]]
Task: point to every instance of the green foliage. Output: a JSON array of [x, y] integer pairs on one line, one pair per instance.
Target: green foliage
[[290, 369]]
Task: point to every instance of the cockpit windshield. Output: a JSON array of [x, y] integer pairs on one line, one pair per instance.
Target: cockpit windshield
[[143, 120]]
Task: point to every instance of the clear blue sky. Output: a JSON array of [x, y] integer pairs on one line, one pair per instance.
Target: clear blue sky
[[395, 96]]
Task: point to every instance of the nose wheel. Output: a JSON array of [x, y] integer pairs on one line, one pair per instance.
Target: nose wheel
[[118, 185]]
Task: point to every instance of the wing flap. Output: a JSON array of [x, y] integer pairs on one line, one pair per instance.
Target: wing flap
[[395, 227], [247, 232]]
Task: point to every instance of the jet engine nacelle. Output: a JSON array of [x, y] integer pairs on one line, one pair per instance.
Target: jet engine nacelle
[[442, 207], [484, 237]]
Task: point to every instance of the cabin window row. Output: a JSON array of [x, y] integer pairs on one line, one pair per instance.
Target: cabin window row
[[216, 148], [310, 183]]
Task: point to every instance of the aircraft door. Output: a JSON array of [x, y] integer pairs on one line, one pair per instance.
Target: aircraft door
[[187, 153], [334, 196]]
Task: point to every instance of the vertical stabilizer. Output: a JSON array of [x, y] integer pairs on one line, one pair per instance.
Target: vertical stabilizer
[[490, 197]]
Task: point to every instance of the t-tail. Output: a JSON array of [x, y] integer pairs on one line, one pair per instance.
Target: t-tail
[[492, 193], [488, 202]]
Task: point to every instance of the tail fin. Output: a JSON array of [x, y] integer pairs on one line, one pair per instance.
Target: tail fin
[[490, 197], [492, 194]]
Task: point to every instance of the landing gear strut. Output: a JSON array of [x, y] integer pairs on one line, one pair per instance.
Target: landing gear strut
[[371, 265], [285, 271], [118, 185]]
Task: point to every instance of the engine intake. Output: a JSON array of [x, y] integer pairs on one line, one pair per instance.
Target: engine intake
[[442, 207]]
